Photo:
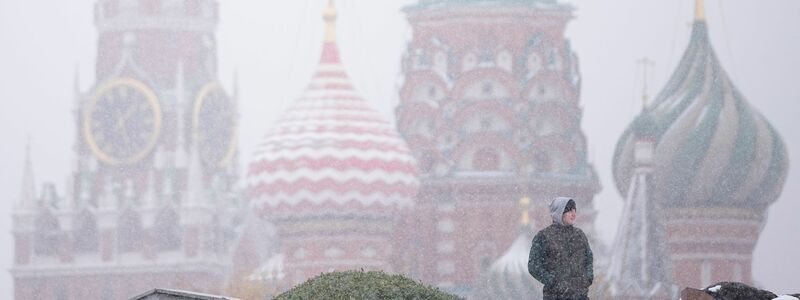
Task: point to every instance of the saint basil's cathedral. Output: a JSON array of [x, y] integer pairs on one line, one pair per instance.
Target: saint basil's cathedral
[[487, 132]]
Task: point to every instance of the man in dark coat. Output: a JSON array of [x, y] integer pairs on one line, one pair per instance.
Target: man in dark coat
[[560, 256]]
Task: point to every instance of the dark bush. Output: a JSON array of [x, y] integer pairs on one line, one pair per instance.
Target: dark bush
[[737, 291], [363, 285]]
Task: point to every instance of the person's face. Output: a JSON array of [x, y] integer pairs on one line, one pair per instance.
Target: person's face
[[569, 217]]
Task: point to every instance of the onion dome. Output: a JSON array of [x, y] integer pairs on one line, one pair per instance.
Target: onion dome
[[508, 277], [713, 149], [331, 153]]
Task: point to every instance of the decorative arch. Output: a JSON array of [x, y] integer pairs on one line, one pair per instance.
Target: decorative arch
[[545, 87], [504, 59], [469, 60], [552, 118], [417, 119], [533, 63], [421, 79], [468, 114], [476, 78], [464, 153]]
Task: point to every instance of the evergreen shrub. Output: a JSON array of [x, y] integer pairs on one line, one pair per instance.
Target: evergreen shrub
[[363, 285]]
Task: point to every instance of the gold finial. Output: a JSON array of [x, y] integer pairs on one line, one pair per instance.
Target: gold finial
[[699, 10], [525, 203], [329, 15]]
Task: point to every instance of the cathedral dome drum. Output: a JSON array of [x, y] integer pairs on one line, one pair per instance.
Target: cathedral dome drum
[[712, 148]]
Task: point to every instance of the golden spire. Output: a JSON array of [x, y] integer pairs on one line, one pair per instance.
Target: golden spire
[[699, 10], [524, 203], [329, 15]]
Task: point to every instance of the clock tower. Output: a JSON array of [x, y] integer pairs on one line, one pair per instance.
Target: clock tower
[[151, 199]]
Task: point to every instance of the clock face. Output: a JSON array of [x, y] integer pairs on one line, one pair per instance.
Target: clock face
[[214, 123], [122, 121]]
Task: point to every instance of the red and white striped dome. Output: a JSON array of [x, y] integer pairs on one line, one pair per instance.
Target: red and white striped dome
[[331, 153]]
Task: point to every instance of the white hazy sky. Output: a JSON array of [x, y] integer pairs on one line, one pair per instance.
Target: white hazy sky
[[275, 45]]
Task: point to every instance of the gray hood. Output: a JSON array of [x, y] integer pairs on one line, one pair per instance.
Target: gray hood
[[557, 209]]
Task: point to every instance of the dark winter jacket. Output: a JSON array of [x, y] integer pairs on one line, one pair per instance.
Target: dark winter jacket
[[561, 259]]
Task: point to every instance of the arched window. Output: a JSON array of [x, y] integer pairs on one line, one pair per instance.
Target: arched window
[[47, 230], [129, 232], [86, 239], [166, 231], [486, 159]]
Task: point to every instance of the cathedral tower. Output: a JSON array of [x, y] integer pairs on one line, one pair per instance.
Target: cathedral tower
[[150, 201], [490, 107]]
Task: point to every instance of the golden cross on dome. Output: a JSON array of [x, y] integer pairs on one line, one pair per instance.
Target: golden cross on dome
[[645, 62], [329, 15]]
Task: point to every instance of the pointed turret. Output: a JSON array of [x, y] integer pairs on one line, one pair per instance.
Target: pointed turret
[[27, 200], [638, 267]]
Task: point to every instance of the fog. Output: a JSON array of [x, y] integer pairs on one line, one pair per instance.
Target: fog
[[273, 47]]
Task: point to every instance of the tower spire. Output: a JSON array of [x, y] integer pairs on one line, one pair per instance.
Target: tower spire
[[28, 196], [329, 15], [699, 11]]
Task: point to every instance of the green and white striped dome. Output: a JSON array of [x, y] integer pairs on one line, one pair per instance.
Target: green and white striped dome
[[712, 148]]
